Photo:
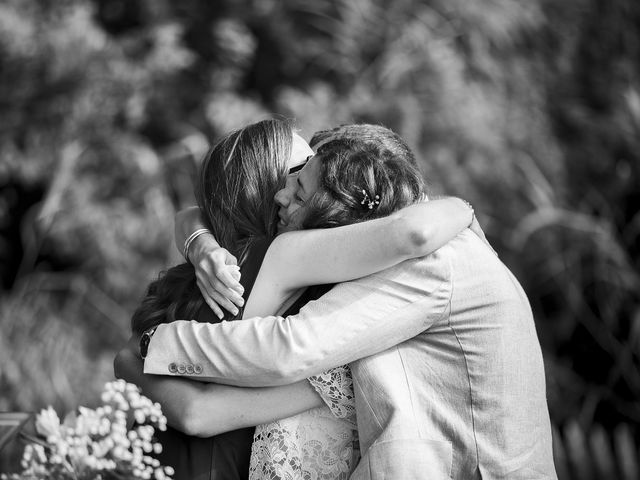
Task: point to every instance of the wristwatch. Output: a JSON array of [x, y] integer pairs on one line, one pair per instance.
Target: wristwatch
[[143, 346]]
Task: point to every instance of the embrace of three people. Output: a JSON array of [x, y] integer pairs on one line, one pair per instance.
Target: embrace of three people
[[379, 336]]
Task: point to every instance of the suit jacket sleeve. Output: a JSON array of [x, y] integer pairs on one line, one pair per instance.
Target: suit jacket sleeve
[[354, 320]]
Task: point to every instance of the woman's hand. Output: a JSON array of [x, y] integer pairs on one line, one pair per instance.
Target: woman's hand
[[217, 274]]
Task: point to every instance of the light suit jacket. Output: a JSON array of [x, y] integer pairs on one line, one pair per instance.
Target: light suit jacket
[[452, 385]]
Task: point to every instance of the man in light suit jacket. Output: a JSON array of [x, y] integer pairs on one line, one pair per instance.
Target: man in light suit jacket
[[447, 368]]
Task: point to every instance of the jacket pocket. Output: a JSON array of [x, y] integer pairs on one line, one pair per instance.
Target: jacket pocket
[[406, 459]]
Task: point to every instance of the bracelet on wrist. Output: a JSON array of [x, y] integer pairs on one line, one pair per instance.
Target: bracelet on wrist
[[189, 241]]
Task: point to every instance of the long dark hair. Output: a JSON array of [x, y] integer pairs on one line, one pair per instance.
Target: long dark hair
[[235, 191], [238, 181], [361, 180]]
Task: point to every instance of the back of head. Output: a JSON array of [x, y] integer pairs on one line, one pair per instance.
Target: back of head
[[238, 180], [235, 191], [361, 180], [376, 135]]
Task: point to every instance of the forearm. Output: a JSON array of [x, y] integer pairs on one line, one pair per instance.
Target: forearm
[[238, 407], [352, 321], [173, 393], [208, 409], [353, 251], [188, 221]]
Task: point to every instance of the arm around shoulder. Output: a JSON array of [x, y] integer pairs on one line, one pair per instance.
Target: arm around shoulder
[[354, 320], [427, 226], [353, 251]]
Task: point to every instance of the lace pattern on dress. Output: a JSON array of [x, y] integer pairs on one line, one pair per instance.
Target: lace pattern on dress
[[335, 387], [313, 445]]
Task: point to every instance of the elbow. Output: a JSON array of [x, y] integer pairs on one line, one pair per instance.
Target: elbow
[[275, 373], [196, 420], [285, 373], [190, 425], [190, 420], [414, 239]]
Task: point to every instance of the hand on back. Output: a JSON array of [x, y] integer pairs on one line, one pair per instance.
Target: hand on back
[[217, 274]]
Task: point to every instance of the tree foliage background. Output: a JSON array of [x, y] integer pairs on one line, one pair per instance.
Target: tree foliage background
[[530, 110]]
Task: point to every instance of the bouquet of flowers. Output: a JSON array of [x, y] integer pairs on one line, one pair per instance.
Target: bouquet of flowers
[[96, 444]]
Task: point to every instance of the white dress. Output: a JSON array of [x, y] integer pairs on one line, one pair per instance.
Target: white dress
[[314, 445]]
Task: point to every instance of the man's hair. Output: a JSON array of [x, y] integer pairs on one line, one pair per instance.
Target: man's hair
[[376, 135], [361, 180]]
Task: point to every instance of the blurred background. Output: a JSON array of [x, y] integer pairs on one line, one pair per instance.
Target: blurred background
[[529, 110]]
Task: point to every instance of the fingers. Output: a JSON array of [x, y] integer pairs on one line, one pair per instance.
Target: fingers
[[230, 279], [224, 303], [218, 277], [232, 296], [219, 297], [209, 299], [230, 259], [235, 272]]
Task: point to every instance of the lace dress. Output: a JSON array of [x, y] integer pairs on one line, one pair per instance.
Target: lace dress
[[314, 445]]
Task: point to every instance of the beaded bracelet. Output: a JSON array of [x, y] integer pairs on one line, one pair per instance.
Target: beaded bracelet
[[189, 241]]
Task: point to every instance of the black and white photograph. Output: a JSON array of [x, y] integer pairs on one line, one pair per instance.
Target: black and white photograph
[[320, 240]]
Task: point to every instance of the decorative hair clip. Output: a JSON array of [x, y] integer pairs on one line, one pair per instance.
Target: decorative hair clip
[[368, 202]]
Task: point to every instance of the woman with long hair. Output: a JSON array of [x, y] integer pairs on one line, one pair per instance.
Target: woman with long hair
[[307, 427]]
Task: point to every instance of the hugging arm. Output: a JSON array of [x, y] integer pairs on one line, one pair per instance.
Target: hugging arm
[[313, 257], [206, 409], [354, 320], [338, 254]]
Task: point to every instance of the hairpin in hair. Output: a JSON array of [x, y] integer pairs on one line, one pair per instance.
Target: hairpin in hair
[[368, 202]]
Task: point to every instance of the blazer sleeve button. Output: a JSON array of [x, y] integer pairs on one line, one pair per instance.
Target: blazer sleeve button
[[181, 368], [197, 369], [190, 369], [173, 368]]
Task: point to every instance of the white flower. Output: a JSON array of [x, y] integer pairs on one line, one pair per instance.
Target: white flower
[[40, 454], [145, 432], [90, 443], [139, 416], [62, 449], [48, 423]]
